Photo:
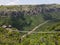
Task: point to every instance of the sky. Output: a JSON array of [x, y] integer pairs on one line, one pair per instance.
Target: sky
[[28, 2]]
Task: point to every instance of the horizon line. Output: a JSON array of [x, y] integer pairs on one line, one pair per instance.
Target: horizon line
[[31, 4]]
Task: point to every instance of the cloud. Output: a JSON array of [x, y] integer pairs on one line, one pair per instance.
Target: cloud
[[9, 2], [13, 2], [24, 2]]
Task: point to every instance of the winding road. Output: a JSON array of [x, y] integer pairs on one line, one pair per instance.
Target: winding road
[[34, 29]]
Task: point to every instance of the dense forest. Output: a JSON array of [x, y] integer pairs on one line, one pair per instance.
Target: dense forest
[[14, 19]]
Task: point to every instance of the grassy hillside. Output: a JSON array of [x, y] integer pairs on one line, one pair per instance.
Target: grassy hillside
[[27, 17], [8, 37], [42, 39]]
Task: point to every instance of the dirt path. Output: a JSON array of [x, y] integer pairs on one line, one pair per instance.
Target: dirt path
[[34, 29], [29, 32]]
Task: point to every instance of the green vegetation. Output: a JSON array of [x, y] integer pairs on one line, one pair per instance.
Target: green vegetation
[[42, 39], [25, 18], [8, 37]]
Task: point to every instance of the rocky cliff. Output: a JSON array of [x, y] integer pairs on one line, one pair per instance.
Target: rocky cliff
[[28, 9]]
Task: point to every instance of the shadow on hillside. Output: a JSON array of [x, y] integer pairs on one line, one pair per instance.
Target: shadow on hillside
[[49, 17]]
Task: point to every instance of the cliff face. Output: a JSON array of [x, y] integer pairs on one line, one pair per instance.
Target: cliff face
[[28, 9], [18, 15]]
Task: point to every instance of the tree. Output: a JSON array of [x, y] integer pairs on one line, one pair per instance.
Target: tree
[[18, 20]]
